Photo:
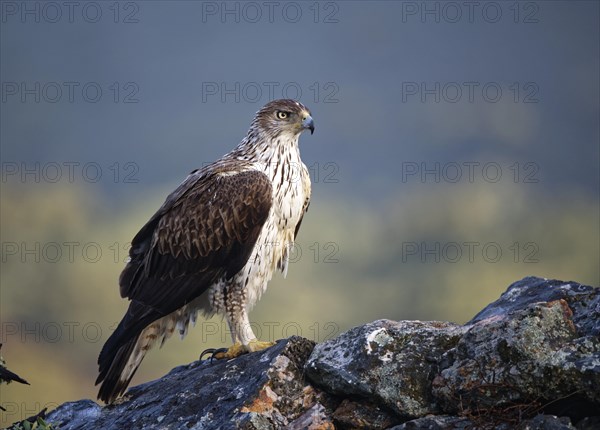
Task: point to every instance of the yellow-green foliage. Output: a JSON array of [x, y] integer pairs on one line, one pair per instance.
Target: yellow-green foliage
[[38, 424]]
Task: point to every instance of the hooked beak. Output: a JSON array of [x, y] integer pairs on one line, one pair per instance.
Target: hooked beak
[[308, 123]]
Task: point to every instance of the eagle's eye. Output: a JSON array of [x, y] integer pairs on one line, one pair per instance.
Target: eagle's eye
[[282, 115]]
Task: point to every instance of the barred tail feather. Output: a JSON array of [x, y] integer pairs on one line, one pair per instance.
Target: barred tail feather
[[117, 370], [120, 358], [123, 352]]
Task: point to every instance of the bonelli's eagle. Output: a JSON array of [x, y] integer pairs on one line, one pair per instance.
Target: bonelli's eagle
[[213, 245]]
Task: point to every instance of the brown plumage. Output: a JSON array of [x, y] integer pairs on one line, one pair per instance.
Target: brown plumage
[[214, 244]]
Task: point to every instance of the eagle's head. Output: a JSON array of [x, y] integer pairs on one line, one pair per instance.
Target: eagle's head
[[283, 117]]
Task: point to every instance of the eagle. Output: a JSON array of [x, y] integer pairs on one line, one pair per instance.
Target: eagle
[[213, 246]]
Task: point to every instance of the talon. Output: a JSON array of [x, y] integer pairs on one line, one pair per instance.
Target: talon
[[221, 353], [213, 353], [206, 351], [236, 350]]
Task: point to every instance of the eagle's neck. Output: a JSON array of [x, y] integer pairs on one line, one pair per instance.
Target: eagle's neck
[[268, 150]]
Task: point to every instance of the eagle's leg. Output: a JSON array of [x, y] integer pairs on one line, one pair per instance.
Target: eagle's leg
[[242, 335]]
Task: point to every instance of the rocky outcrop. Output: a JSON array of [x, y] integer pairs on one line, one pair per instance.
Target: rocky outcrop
[[529, 360], [255, 391]]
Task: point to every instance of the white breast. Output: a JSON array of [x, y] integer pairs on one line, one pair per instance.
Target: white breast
[[291, 189]]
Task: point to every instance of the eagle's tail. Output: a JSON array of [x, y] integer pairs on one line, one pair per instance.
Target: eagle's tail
[[116, 370], [124, 351]]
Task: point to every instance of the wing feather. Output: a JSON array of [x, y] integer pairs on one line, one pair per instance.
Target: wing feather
[[208, 231], [205, 231]]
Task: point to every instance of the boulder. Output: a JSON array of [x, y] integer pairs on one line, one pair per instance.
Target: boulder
[[390, 362]]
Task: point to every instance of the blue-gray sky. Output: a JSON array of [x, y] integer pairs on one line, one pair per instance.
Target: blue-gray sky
[[199, 70]]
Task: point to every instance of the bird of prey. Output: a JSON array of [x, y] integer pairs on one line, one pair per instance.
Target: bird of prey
[[213, 245]]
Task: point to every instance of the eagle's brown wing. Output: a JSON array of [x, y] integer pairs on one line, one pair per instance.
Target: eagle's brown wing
[[205, 231]]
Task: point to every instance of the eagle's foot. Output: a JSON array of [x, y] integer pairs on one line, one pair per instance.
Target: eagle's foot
[[211, 352], [257, 345], [236, 350], [228, 353]]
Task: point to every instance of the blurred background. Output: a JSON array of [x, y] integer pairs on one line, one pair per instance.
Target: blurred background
[[456, 151]]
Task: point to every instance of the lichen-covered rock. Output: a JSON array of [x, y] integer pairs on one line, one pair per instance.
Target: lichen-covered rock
[[390, 362], [264, 390], [583, 300], [530, 354]]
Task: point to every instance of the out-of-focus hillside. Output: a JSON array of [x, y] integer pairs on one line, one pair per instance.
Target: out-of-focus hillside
[[428, 252]]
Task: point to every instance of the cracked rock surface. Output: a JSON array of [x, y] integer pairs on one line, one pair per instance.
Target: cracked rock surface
[[256, 391]]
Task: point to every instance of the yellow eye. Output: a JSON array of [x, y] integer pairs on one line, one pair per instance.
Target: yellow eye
[[282, 115]]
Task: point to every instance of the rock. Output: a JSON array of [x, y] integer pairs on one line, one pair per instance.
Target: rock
[[583, 300], [446, 422], [391, 362], [589, 423], [76, 415], [354, 415], [316, 418], [530, 360], [546, 422], [439, 422], [264, 390], [533, 354]]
